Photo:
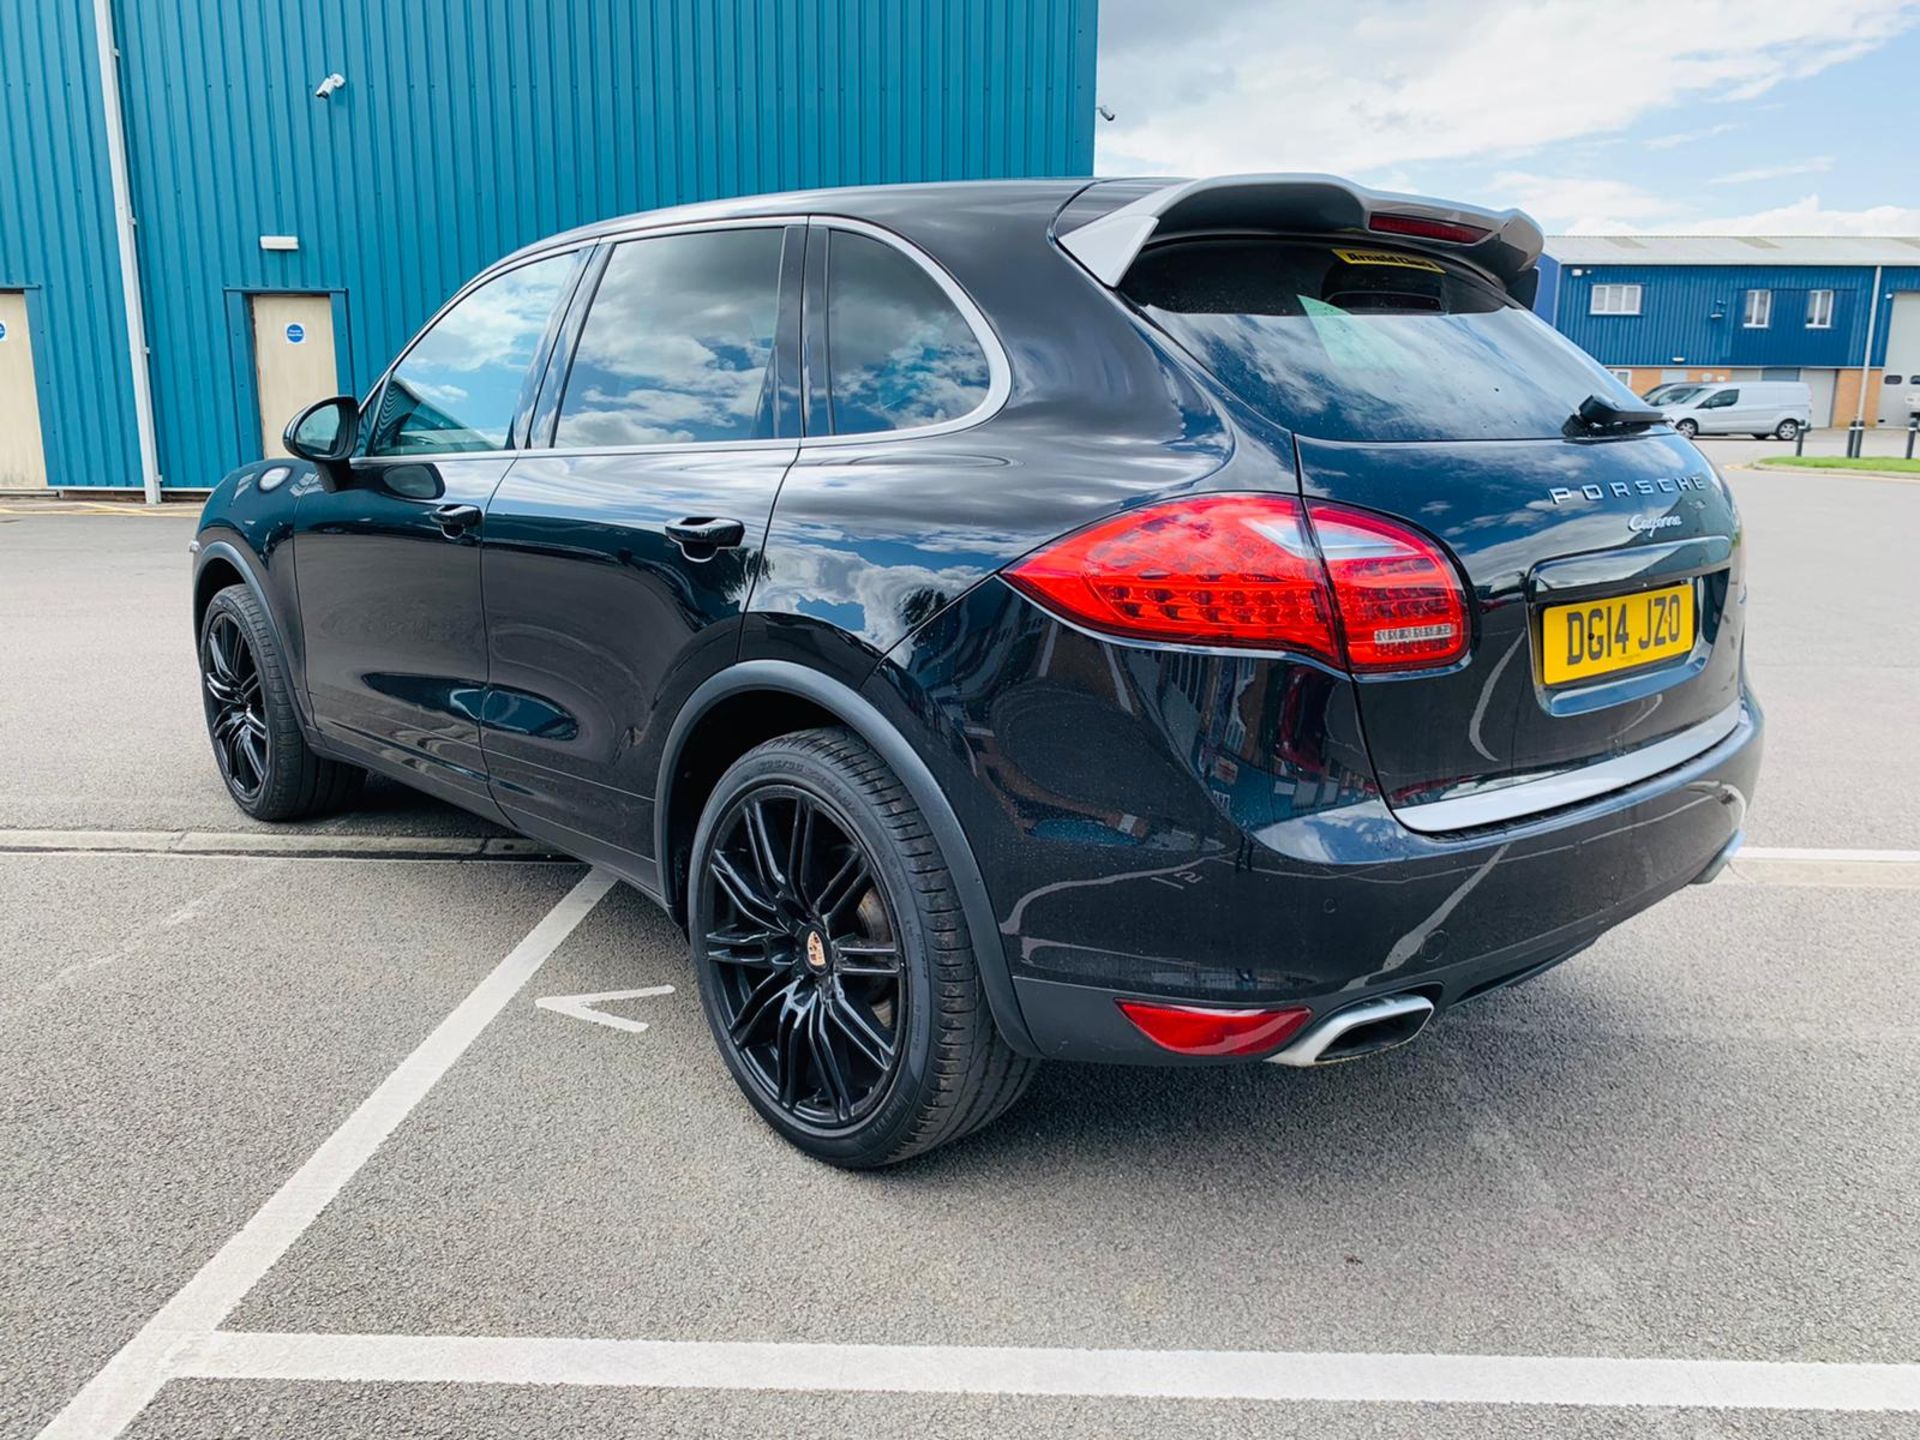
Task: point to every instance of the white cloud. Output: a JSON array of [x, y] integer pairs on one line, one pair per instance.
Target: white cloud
[[1817, 165], [1690, 137], [1236, 86], [1807, 216], [1616, 207]]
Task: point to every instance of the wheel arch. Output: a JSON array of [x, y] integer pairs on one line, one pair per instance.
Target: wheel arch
[[218, 564], [780, 690]]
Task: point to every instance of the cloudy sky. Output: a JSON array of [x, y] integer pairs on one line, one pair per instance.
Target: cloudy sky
[[1749, 116]]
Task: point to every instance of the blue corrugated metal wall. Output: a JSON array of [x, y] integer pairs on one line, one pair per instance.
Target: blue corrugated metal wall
[[57, 240], [1677, 303], [467, 128]]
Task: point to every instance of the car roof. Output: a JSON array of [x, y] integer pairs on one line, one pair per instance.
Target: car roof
[[908, 208]]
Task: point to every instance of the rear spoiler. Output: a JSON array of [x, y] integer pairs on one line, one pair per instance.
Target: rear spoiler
[[1505, 243]]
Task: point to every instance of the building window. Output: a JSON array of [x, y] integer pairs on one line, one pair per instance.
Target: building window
[[1759, 311], [1819, 310], [1615, 300], [1625, 377]]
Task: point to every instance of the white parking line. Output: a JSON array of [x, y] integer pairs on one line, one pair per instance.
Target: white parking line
[[997, 1370], [110, 1401]]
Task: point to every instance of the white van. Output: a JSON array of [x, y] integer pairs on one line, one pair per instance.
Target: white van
[[1749, 407]]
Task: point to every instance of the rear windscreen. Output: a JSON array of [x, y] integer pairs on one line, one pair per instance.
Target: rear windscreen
[[1361, 343]]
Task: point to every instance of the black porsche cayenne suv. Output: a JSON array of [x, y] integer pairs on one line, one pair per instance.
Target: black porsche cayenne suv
[[1133, 620]]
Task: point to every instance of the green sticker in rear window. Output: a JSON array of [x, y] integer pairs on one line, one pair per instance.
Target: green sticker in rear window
[[1385, 257]]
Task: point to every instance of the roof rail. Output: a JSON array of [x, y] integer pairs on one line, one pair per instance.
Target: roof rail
[[1508, 243]]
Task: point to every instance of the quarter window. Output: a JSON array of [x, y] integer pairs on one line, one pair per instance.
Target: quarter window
[[1819, 310], [1615, 300], [678, 347], [900, 353], [1759, 310], [458, 388]]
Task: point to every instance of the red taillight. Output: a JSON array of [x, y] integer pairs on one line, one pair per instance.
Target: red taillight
[[1426, 228], [1400, 602], [1204, 1030], [1212, 570], [1244, 571]]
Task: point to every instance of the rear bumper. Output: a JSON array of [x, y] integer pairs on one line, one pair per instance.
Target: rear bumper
[[1331, 920]]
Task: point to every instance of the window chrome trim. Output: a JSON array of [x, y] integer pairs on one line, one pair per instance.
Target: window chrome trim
[[999, 369], [377, 395], [1571, 787]]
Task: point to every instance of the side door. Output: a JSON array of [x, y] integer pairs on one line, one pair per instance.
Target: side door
[[388, 564], [1719, 413], [619, 552]]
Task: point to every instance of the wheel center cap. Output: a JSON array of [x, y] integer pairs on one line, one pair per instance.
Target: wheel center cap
[[816, 953]]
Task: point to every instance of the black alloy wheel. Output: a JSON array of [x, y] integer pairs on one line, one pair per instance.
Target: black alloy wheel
[[270, 770], [837, 971], [811, 988], [232, 688]]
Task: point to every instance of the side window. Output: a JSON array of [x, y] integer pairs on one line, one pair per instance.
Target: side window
[[457, 389], [1720, 399], [678, 347], [899, 353]]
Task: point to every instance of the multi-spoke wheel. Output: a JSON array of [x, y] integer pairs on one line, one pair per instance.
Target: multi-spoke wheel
[[270, 770], [236, 711], [834, 971]]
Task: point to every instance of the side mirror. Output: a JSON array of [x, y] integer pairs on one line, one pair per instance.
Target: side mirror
[[326, 432]]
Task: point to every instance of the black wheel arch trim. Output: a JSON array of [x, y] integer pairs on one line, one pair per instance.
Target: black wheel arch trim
[[862, 717], [211, 550], [242, 560]]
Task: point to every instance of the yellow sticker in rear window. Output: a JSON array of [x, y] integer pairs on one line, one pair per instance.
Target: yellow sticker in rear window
[[1387, 257], [1599, 637]]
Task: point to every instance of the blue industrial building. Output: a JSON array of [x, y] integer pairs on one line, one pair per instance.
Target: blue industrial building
[[191, 210], [1841, 313]]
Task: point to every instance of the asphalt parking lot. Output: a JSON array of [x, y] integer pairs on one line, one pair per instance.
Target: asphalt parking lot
[[289, 1148]]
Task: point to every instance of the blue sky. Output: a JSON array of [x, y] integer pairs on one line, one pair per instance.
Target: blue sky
[[1733, 116]]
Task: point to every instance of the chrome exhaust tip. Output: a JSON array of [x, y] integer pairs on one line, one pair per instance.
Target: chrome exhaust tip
[[1364, 1029]]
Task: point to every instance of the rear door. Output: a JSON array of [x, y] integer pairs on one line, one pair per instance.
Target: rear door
[[1605, 569], [389, 566], [618, 556]]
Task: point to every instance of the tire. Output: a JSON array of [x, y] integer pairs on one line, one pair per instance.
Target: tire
[[1787, 430], [268, 767], [841, 988], [1687, 428]]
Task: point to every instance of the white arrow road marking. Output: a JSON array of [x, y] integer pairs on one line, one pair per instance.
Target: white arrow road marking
[[584, 1007]]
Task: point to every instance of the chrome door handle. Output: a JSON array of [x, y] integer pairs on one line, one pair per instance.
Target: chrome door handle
[[701, 535], [455, 520]]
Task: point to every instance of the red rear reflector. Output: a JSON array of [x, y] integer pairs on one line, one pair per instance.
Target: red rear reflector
[[1245, 571], [1426, 228], [1203, 1030], [1400, 602], [1213, 570]]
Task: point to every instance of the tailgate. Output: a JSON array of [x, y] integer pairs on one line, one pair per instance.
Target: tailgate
[[1597, 549]]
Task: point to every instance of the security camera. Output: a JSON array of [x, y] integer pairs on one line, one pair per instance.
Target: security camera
[[324, 90], [1104, 112]]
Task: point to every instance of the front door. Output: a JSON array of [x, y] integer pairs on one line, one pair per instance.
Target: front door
[[617, 562], [293, 363], [23, 465], [388, 565]]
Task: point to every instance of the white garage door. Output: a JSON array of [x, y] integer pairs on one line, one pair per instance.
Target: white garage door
[[1903, 361]]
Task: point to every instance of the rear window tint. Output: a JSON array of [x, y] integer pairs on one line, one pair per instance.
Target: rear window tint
[[900, 355], [1363, 343]]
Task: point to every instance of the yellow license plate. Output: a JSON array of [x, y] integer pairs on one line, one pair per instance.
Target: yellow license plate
[[1599, 637]]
